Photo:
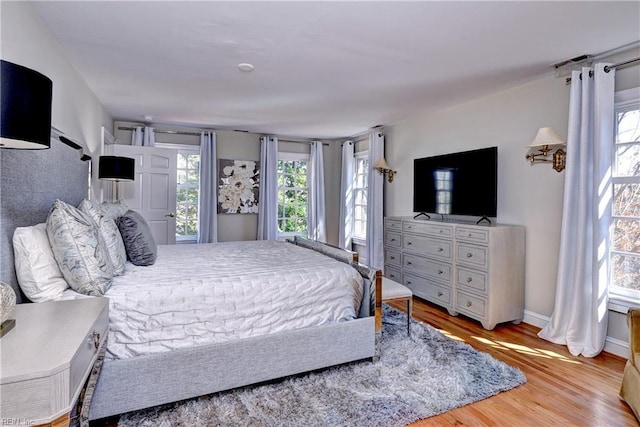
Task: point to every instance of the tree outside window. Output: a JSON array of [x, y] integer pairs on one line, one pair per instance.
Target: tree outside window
[[187, 196], [293, 194]]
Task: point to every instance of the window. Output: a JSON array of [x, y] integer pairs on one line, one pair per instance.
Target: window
[[293, 194], [187, 196], [625, 242], [360, 187]]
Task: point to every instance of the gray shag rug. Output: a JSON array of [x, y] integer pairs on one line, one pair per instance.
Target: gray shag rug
[[414, 378]]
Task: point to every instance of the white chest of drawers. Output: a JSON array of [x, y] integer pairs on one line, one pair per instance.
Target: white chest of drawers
[[476, 270], [47, 357]]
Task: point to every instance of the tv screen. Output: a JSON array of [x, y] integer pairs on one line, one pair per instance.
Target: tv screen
[[464, 183]]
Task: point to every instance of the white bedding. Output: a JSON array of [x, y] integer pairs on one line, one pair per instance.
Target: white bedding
[[202, 294]]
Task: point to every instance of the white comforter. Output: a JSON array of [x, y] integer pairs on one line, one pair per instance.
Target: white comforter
[[201, 294]]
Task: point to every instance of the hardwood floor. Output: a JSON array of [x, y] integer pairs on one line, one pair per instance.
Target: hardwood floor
[[561, 390]]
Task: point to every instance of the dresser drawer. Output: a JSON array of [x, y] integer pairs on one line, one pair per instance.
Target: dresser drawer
[[437, 270], [393, 225], [392, 258], [474, 306], [392, 273], [470, 279], [471, 255], [441, 230], [472, 234], [87, 352], [427, 246], [392, 239], [428, 290]]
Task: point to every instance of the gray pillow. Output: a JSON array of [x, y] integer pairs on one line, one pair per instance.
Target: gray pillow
[[138, 240], [110, 233], [79, 250]]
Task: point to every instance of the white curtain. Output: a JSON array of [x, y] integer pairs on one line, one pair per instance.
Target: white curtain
[[346, 195], [317, 229], [375, 201], [208, 203], [143, 136], [268, 188], [579, 319]]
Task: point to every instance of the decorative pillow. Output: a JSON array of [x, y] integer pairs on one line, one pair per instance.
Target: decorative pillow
[[138, 240], [36, 268], [114, 209], [110, 233], [79, 249]]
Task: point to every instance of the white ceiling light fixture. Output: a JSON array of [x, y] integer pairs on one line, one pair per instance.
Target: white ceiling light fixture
[[148, 117], [246, 67]]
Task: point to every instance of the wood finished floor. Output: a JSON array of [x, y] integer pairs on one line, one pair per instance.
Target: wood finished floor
[[561, 390]]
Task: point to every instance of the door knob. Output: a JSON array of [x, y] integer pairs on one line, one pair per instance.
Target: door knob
[[171, 215]]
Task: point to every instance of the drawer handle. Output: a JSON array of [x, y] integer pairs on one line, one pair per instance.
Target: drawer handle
[[408, 243], [469, 254], [408, 282], [440, 249], [393, 240], [470, 235], [440, 271], [96, 339], [392, 257], [469, 279], [409, 227], [469, 303], [408, 262], [441, 231], [440, 293]]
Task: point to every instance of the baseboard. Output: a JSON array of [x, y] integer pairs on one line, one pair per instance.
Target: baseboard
[[535, 319], [612, 345], [617, 347]]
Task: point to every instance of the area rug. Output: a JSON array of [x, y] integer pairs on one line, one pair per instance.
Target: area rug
[[414, 378]]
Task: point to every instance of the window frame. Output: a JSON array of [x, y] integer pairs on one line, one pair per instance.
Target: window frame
[[359, 156], [293, 156], [620, 299]]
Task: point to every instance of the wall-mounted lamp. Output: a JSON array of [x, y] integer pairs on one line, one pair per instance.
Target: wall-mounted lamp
[[115, 168], [383, 168], [549, 145], [25, 112]]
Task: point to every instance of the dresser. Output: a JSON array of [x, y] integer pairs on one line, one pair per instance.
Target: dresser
[[47, 357], [476, 270]]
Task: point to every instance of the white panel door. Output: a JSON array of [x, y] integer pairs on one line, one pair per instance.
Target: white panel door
[[153, 193]]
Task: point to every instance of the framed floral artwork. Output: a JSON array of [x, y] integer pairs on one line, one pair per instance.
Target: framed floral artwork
[[238, 182]]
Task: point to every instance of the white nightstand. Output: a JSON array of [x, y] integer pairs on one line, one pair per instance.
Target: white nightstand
[[46, 359]]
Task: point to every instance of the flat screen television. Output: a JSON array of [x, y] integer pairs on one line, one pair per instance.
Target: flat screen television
[[464, 183]]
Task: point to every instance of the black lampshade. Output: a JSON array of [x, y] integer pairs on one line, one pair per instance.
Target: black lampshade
[[25, 120], [116, 168]]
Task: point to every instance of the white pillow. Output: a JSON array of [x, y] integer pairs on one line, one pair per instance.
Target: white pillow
[[36, 268]]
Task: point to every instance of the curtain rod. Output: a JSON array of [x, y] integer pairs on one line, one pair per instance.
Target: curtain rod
[[176, 132], [608, 68]]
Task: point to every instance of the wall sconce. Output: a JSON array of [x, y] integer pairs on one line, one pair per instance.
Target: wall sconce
[[115, 168], [382, 167], [549, 145], [25, 112]]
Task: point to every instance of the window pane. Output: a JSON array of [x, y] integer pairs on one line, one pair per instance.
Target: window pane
[[182, 161], [194, 161], [626, 271], [182, 177], [626, 235], [301, 180], [628, 160], [626, 199], [628, 126], [192, 176]]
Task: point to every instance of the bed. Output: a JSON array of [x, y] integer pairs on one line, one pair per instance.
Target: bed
[[141, 374]]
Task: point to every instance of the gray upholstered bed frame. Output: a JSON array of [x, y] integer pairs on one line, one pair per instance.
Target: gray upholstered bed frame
[[32, 180]]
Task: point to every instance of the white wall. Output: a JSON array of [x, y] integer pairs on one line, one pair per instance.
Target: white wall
[[76, 110], [527, 195], [246, 146]]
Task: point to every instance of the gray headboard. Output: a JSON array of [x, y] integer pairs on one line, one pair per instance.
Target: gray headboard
[[30, 181]]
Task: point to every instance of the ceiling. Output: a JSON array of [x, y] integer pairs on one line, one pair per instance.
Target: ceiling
[[322, 69]]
